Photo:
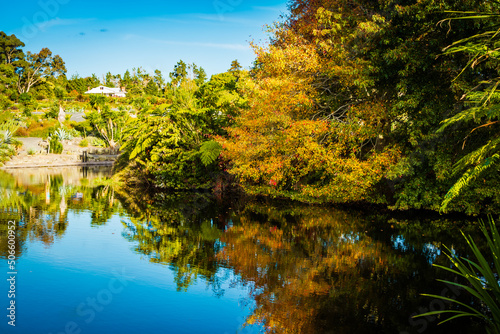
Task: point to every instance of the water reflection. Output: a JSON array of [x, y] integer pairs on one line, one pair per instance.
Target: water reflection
[[181, 230], [306, 269], [39, 199]]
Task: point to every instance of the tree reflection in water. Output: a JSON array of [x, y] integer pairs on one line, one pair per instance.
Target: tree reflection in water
[[39, 201], [309, 269]]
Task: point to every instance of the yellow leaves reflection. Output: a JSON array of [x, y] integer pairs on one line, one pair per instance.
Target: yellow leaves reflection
[[302, 270]]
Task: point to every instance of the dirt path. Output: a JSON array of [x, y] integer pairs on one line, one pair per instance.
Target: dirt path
[[30, 143], [50, 160]]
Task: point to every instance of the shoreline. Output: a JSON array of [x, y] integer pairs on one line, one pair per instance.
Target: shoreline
[[64, 164]]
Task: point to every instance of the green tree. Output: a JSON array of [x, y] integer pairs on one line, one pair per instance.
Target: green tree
[[166, 144], [199, 74], [37, 66], [8, 78], [151, 88], [107, 123], [10, 48], [11, 55], [93, 81], [179, 73], [77, 83], [223, 99], [126, 80], [110, 80], [159, 80], [235, 67]]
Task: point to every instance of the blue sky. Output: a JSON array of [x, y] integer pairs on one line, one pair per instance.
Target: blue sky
[[100, 36]]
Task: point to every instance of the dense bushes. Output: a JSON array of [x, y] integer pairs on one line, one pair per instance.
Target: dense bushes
[[41, 128]]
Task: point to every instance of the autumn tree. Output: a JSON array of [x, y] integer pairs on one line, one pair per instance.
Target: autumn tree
[[345, 103], [308, 134]]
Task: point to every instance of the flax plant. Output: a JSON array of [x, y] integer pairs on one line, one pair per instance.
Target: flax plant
[[479, 278]]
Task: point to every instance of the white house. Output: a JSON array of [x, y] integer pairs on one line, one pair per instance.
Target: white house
[[106, 91]]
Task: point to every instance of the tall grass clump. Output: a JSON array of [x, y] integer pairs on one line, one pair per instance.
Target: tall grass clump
[[479, 277]]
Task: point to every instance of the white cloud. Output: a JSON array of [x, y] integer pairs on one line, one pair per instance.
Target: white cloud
[[61, 22]]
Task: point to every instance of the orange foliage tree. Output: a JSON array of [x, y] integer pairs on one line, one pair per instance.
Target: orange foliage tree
[[314, 129]]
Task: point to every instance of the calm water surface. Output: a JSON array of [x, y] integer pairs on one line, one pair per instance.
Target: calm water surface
[[93, 258]]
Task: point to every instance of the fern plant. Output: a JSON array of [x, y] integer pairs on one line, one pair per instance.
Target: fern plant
[[482, 102], [480, 279], [209, 152]]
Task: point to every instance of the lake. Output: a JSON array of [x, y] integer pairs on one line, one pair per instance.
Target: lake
[[93, 258]]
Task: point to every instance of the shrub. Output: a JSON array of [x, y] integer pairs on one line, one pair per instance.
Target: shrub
[[24, 98], [82, 98], [74, 94], [59, 92], [12, 94], [6, 151], [38, 129], [21, 132], [82, 127], [98, 142], [6, 116], [40, 96], [53, 111], [27, 112], [5, 103], [55, 145], [9, 126], [84, 143]]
